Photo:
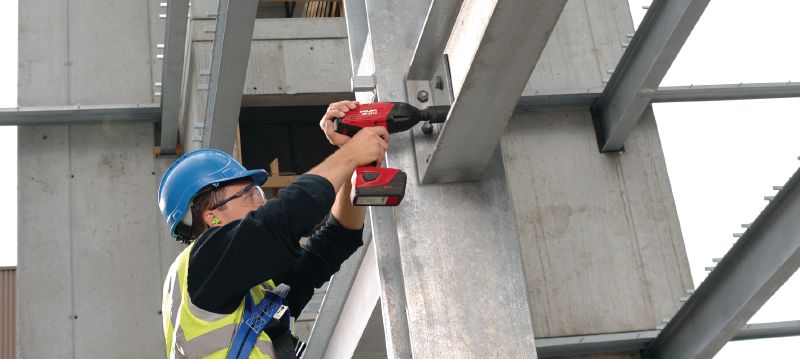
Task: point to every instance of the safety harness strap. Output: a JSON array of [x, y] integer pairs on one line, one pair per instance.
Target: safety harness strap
[[255, 319]]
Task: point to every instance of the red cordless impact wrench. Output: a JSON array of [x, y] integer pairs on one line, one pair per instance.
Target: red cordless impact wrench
[[379, 186]]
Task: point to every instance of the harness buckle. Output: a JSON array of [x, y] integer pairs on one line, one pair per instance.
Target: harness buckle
[[279, 313]]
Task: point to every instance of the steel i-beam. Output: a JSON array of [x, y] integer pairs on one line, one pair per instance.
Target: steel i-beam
[[661, 34], [763, 258], [494, 47], [65, 115], [233, 33], [172, 73]]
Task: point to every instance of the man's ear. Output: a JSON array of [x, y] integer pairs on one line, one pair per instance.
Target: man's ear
[[207, 218]]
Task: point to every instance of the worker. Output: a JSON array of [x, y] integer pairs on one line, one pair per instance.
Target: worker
[[230, 292]]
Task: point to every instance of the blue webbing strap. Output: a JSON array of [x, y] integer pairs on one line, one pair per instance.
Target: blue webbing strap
[[255, 318]]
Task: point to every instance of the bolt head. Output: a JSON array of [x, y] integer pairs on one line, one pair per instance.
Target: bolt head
[[422, 96]]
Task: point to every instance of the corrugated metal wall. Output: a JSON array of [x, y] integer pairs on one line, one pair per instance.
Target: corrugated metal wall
[[8, 309]]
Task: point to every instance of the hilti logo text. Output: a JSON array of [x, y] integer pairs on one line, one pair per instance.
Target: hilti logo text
[[369, 112]]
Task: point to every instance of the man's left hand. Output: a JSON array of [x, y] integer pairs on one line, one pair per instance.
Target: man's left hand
[[336, 109]]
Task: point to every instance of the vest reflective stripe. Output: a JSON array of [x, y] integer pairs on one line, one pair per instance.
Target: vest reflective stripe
[[204, 345], [192, 332]]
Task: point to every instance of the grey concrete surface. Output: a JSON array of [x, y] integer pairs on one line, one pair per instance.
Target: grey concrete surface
[[586, 43], [599, 233], [92, 248], [44, 272], [87, 52]]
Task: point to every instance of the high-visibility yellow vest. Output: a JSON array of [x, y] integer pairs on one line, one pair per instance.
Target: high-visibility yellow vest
[[192, 332]]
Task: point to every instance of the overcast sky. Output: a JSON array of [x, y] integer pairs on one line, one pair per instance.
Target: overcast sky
[[722, 157]]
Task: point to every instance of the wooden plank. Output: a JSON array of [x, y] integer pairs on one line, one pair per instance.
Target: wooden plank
[[279, 181], [237, 147], [275, 180]]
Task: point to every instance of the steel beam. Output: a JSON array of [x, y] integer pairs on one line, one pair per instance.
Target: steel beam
[[40, 115], [769, 330], [741, 91], [394, 28], [356, 309], [594, 344], [230, 56], [763, 258], [442, 15], [338, 291], [665, 94], [493, 50], [661, 34], [633, 341], [49, 115], [355, 14], [172, 73]]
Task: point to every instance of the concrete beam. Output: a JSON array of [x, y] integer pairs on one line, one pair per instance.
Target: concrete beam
[[766, 255], [231, 53], [661, 34], [48, 115], [493, 50], [172, 73]]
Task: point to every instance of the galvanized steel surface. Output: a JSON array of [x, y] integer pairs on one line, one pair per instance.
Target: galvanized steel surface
[[172, 73], [230, 55], [55, 115], [394, 28], [338, 290], [765, 257], [8, 312], [655, 44], [492, 56]]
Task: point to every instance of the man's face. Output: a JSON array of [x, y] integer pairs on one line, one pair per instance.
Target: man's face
[[246, 200]]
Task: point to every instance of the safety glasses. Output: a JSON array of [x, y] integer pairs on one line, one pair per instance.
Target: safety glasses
[[251, 195]]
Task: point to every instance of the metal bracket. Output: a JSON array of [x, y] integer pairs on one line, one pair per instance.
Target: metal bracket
[[362, 83], [423, 93]]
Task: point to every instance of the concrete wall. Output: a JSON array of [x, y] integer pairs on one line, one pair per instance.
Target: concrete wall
[[599, 233], [600, 238], [93, 250], [92, 247], [88, 52]]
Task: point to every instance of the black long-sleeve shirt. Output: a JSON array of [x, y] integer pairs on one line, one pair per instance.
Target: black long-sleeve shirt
[[227, 261]]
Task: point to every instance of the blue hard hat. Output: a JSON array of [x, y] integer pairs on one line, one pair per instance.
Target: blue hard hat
[[193, 172]]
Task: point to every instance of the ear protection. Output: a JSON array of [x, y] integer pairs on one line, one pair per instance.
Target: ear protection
[[215, 221]]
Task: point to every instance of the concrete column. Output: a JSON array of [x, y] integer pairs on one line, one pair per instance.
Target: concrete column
[[601, 242], [93, 250]]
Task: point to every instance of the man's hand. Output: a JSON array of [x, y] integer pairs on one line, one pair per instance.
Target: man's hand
[[367, 146], [336, 109]]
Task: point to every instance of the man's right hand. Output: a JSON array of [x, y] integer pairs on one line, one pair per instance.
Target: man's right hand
[[367, 146]]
